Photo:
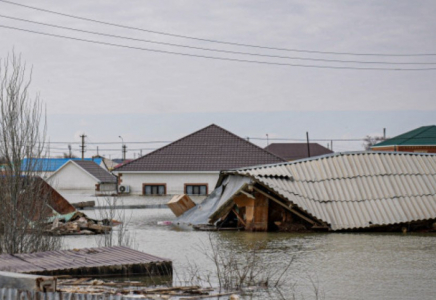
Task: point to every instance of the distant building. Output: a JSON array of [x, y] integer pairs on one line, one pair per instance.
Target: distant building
[[422, 140], [83, 175], [191, 165], [295, 151], [45, 167]]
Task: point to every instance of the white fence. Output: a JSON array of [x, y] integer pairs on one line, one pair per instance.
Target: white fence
[[13, 294]]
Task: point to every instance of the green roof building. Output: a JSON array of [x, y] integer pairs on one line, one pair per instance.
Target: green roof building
[[422, 139]]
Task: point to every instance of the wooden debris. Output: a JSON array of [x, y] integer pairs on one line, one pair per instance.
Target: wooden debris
[[92, 286], [79, 224], [179, 204], [83, 204], [207, 296]]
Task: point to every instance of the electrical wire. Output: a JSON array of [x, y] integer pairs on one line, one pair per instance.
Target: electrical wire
[[217, 58], [217, 50], [117, 143], [214, 41], [250, 138]]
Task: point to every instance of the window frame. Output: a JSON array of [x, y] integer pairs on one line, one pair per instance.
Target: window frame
[[196, 184], [154, 184]]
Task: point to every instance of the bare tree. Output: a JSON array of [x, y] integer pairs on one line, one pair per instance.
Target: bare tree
[[370, 141], [111, 212], [24, 198]]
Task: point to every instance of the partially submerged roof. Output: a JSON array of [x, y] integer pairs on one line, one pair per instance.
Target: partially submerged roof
[[49, 164], [75, 260], [422, 136], [355, 189], [294, 151], [95, 170], [209, 149]]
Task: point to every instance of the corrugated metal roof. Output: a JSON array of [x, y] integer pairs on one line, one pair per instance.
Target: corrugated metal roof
[[10, 263], [49, 164], [75, 259], [422, 136], [356, 189]]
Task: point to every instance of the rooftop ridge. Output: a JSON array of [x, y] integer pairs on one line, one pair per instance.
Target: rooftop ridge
[[224, 133], [288, 163]]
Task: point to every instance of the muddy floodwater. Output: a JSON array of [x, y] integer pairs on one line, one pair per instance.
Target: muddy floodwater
[[336, 265]]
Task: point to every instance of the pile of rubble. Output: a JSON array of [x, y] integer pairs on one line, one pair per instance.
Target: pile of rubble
[[78, 224]]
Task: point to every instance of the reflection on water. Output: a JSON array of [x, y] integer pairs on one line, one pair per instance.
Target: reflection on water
[[340, 265]]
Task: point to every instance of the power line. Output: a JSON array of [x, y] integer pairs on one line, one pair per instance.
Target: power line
[[215, 41], [304, 140], [107, 143], [218, 58], [251, 138], [218, 50]]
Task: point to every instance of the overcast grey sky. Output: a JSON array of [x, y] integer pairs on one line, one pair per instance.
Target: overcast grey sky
[[146, 96]]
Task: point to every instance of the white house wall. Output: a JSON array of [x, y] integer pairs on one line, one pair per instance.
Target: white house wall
[[71, 177], [175, 182]]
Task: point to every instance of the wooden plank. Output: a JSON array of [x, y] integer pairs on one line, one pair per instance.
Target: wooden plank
[[285, 206], [239, 217]]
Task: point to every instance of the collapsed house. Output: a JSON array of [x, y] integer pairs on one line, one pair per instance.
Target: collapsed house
[[48, 207], [62, 218], [384, 191]]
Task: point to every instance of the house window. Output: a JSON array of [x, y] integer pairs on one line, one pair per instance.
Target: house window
[[154, 189], [196, 188]]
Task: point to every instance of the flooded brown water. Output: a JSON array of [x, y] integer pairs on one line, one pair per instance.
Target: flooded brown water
[[339, 265]]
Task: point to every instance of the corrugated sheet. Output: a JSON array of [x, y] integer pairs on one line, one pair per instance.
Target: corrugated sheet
[[14, 294], [356, 189], [9, 263], [75, 259]]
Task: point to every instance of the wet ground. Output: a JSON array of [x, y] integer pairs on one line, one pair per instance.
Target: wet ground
[[337, 265]]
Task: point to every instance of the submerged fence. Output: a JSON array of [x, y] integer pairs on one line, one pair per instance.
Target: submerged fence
[[14, 294]]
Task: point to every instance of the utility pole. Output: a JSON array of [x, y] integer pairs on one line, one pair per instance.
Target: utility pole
[[97, 151], [70, 154], [384, 134], [267, 140], [331, 145], [308, 145], [122, 148], [124, 152], [83, 136]]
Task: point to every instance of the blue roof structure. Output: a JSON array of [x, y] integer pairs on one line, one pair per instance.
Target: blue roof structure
[[50, 164]]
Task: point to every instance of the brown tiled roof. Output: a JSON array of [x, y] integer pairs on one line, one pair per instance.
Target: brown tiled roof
[[209, 149], [294, 151], [95, 170]]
